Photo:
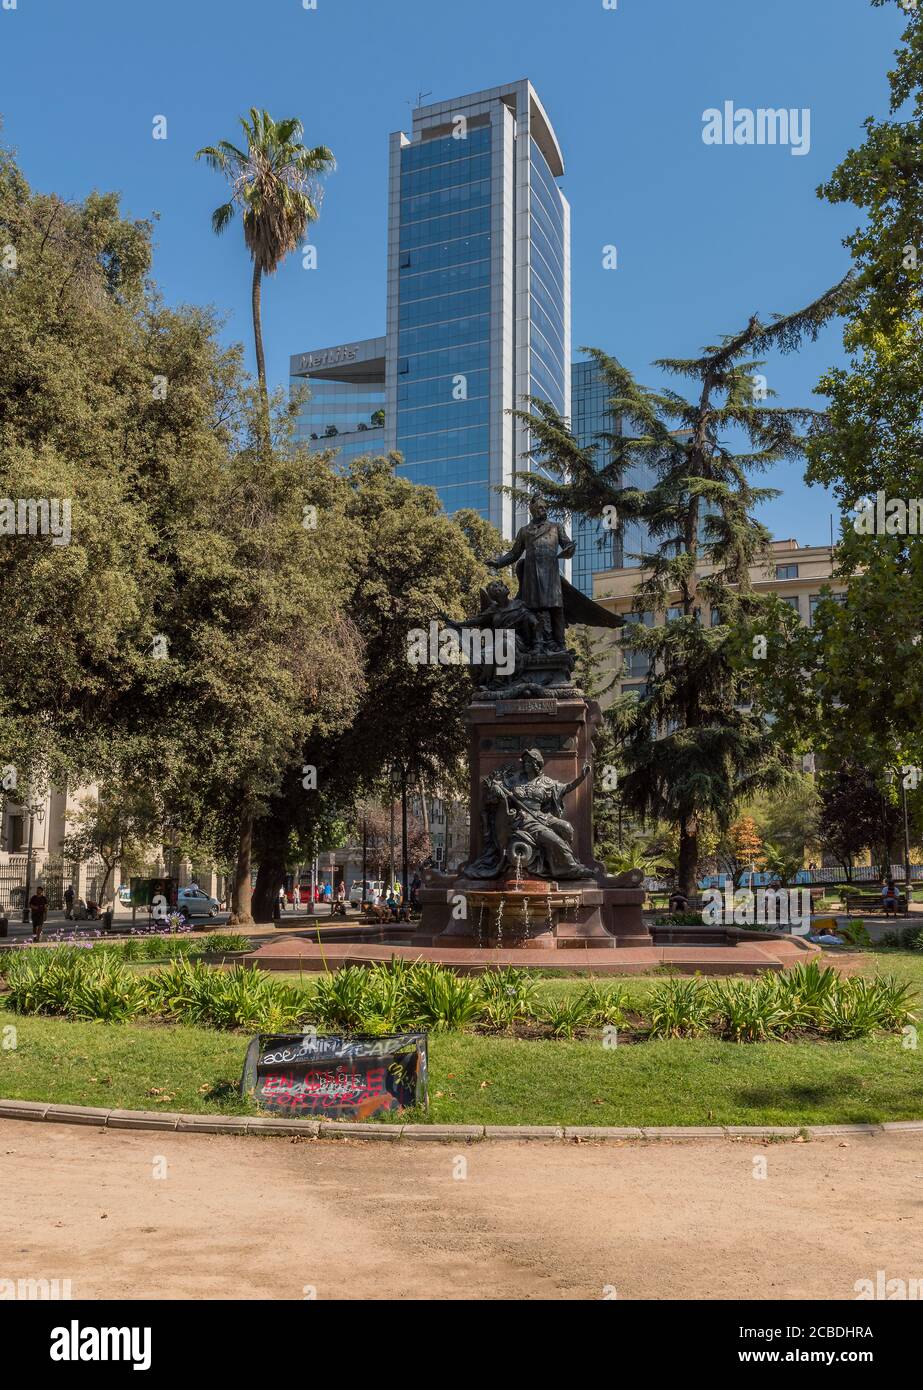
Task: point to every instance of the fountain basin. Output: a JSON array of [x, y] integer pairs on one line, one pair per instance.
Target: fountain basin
[[511, 913]]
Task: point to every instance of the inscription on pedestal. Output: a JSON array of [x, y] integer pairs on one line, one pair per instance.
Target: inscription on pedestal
[[527, 707]]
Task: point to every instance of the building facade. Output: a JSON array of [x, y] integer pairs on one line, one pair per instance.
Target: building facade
[[478, 292], [477, 306], [343, 397], [795, 573]]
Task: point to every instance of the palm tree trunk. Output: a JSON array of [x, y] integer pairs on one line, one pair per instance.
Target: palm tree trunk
[[260, 356], [241, 891]]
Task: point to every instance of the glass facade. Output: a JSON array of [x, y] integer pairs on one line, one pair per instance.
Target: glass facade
[[478, 293], [590, 417], [344, 408], [443, 370], [547, 276]]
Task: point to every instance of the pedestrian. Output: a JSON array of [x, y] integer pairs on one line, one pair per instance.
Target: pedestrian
[[281, 902], [69, 903], [38, 909]]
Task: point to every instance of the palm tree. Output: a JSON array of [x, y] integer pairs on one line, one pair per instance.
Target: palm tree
[[275, 183]]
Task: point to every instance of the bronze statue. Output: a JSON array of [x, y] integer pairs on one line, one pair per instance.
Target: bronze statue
[[524, 826], [536, 551]]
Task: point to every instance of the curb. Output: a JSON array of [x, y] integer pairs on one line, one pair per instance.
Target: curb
[[433, 1134]]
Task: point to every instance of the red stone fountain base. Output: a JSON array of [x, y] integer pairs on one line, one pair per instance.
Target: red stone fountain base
[[533, 914]]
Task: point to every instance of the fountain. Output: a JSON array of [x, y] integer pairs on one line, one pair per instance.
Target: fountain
[[530, 869]]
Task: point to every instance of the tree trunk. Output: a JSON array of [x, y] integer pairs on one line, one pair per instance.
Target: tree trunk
[[688, 856], [241, 891], [260, 357], [404, 857], [270, 877]]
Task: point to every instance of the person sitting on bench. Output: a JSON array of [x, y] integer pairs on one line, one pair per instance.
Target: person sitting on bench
[[890, 897]]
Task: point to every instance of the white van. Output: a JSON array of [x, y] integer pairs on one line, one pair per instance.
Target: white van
[[371, 886]]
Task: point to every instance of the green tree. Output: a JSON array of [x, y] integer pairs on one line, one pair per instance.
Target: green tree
[[191, 631], [694, 742], [275, 183], [863, 664], [412, 563]]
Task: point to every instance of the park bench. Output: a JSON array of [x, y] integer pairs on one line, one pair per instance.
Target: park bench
[[864, 903]]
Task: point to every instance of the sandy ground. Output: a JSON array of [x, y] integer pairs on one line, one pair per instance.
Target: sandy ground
[[274, 1218]]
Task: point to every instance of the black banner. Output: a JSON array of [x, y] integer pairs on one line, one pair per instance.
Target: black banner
[[335, 1076]]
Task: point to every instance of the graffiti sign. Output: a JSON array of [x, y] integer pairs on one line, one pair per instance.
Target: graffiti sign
[[335, 1076]]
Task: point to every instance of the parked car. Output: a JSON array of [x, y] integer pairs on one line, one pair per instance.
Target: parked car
[[196, 903], [371, 886]]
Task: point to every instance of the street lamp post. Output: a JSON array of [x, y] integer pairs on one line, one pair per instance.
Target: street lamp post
[[907, 869], [36, 813]]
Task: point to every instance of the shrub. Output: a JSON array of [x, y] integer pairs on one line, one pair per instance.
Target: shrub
[[509, 996], [441, 1000], [804, 991], [852, 1011], [678, 1009], [74, 983], [243, 997], [855, 934], [607, 1004], [224, 943], [342, 1000], [566, 1014], [750, 1010]]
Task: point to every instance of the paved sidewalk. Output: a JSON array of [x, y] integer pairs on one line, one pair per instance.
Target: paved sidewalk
[[184, 1216]]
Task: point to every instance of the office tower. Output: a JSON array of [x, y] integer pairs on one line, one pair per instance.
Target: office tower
[[478, 313], [345, 407]]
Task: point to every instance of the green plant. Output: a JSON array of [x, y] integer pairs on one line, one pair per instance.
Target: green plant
[[342, 999], [678, 1009], [852, 1011], [509, 996], [242, 997], [607, 1004], [75, 983], [855, 934], [439, 999], [225, 943], [893, 1000], [750, 1010], [565, 1015]]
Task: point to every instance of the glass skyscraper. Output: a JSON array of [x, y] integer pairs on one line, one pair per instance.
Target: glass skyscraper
[[598, 547], [478, 306], [478, 292]]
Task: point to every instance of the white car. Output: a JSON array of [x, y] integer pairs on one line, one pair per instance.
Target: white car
[[371, 886], [196, 903]]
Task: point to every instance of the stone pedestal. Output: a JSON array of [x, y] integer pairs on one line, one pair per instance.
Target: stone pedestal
[[592, 912]]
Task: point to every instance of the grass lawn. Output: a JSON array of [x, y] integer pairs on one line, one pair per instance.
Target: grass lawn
[[501, 1080]]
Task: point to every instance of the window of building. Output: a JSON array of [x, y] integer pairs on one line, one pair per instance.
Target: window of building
[[786, 571], [793, 600], [815, 599]]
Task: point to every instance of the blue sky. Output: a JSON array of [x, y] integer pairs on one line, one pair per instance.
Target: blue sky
[[705, 235]]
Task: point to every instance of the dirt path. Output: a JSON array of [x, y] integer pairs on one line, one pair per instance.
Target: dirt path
[[266, 1218]]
